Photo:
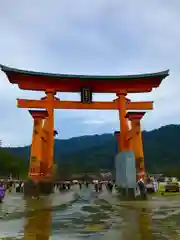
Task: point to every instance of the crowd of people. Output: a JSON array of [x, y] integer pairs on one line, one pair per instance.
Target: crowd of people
[[7, 186], [98, 185], [18, 186], [62, 186]]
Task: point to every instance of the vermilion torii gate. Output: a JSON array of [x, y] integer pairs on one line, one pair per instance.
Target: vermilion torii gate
[[43, 134]]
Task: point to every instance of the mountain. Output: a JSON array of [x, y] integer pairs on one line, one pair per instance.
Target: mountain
[[66, 147], [91, 153]]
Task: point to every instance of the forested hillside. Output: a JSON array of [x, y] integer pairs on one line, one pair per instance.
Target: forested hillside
[[11, 164], [91, 153]]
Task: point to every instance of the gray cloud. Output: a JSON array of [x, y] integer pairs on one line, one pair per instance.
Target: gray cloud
[[89, 37]]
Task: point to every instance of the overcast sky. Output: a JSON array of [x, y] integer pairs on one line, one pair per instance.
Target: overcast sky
[[89, 37]]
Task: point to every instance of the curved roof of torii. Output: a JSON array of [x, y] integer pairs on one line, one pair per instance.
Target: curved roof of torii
[[30, 80]]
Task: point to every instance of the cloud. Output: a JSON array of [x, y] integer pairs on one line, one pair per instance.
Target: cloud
[[97, 122], [88, 37]]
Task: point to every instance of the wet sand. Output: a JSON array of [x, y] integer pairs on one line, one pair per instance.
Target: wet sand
[[87, 215]]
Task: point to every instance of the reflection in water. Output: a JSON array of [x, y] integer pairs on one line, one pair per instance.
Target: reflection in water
[[137, 224], [38, 225], [88, 217], [145, 224]]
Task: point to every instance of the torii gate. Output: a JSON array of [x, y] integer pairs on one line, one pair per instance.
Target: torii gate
[[52, 83]]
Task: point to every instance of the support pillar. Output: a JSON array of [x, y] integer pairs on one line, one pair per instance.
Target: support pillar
[[31, 187], [34, 168], [136, 136], [35, 158]]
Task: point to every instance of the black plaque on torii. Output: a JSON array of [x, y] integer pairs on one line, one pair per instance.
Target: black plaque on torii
[[86, 95]]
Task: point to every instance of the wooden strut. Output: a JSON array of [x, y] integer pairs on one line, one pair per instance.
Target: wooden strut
[[135, 137], [57, 104]]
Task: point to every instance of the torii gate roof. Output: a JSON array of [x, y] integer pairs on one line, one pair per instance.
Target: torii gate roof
[[40, 81]]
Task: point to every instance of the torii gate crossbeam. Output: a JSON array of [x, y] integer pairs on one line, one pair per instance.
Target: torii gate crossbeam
[[57, 104]]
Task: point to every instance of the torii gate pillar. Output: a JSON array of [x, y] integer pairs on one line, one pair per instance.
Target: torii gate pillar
[[117, 135], [123, 144], [50, 128], [136, 138]]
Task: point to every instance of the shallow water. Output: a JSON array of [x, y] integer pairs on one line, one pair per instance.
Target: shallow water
[[85, 215]]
